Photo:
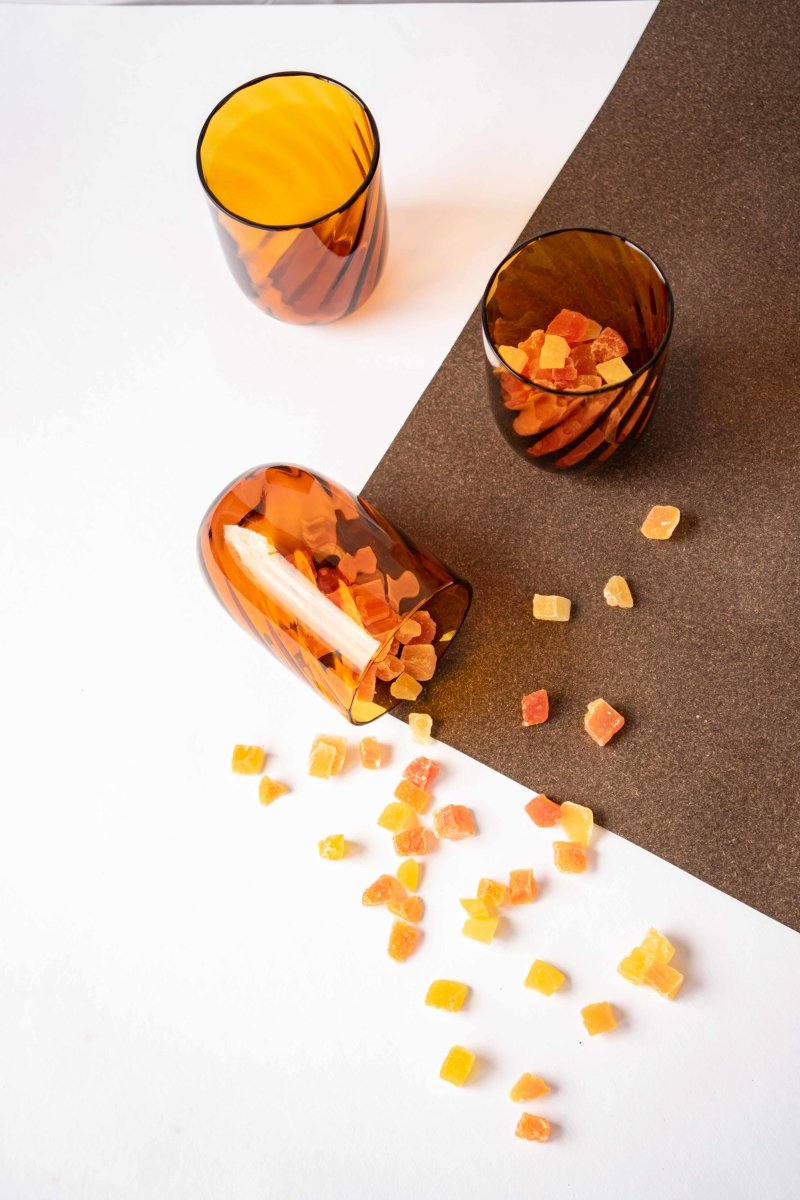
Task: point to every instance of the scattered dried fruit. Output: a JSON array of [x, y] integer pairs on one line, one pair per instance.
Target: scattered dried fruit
[[528, 1087], [457, 1065], [570, 858], [385, 889], [413, 795], [551, 608], [371, 754], [545, 978], [403, 940], [543, 812], [663, 978], [409, 873], [522, 887], [495, 894], [454, 822], [602, 721], [535, 708], [476, 907], [414, 841], [648, 964], [533, 1129], [599, 1018], [405, 687], [447, 994], [397, 817], [617, 593], [661, 522], [577, 821], [421, 772], [247, 760], [323, 764], [480, 929], [420, 725], [410, 909], [332, 846]]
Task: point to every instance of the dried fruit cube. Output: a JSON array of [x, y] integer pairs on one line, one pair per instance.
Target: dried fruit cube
[[551, 608], [408, 631], [663, 978], [417, 797], [447, 994], [656, 946], [454, 822], [414, 841], [570, 325], [398, 816], [420, 725], [617, 593], [403, 940], [332, 846], [339, 746], [607, 345], [410, 909], [419, 662], [385, 889], [480, 929], [535, 708], [602, 721], [583, 359], [522, 887], [247, 760], [614, 370], [513, 357], [421, 772], [495, 894], [528, 1087], [427, 628], [661, 522], [634, 965], [554, 352], [409, 873], [388, 668], [599, 1018], [370, 750], [545, 978], [570, 858], [322, 760], [533, 1129], [477, 907], [457, 1065], [577, 821], [593, 331], [543, 812], [405, 687], [270, 789]]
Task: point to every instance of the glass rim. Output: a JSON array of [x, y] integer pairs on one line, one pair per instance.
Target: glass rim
[[607, 387], [323, 216]]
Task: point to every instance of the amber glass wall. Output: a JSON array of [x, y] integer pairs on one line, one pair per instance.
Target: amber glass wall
[[290, 165]]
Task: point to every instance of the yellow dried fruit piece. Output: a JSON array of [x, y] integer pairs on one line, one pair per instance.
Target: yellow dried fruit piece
[[614, 370], [397, 817], [457, 1065], [554, 352], [528, 1087], [551, 608], [477, 908], [322, 760], [405, 688], [495, 894], [409, 793], [447, 994], [371, 754], [332, 847], [599, 1018], [339, 747], [545, 978], [409, 874], [661, 522], [663, 979], [577, 821], [420, 725], [634, 965], [270, 789], [617, 593], [247, 760], [480, 929], [513, 357], [656, 946]]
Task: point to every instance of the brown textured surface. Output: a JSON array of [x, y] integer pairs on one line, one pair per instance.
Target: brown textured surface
[[694, 157]]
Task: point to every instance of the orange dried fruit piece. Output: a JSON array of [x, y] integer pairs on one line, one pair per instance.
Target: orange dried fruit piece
[[528, 1087], [522, 887], [543, 812], [583, 359], [535, 707], [403, 940], [656, 946], [332, 847], [384, 890], [408, 631], [545, 978], [513, 357], [607, 345], [419, 662], [457, 1065], [480, 929], [414, 841], [409, 874], [398, 816], [599, 1018], [494, 893], [663, 979], [405, 687], [615, 370], [247, 760], [570, 325], [454, 822], [570, 858], [417, 797], [410, 909], [533, 348], [339, 746], [371, 754], [420, 725], [602, 721], [421, 772], [476, 907], [447, 994], [322, 760], [427, 629], [388, 668], [634, 965], [661, 522], [551, 608], [577, 821], [617, 593], [554, 352], [270, 789], [533, 1129]]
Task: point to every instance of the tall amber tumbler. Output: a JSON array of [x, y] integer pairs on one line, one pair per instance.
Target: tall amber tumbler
[[290, 164], [327, 584]]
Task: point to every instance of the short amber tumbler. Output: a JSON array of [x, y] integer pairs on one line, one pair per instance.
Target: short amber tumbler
[[609, 279], [291, 166], [323, 581]]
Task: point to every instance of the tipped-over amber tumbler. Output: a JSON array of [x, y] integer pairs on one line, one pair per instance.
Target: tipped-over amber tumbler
[[291, 167], [615, 284], [329, 586]]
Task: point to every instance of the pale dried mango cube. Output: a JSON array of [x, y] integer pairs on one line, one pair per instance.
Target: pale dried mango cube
[[513, 357], [494, 893], [528, 1087], [554, 352], [661, 522], [247, 760], [410, 909], [545, 978], [570, 858], [577, 821], [476, 908], [397, 817], [332, 847], [599, 1018], [420, 725], [405, 688], [656, 946], [447, 994], [322, 760], [409, 873], [371, 754], [270, 789], [533, 1129], [663, 979], [403, 940], [409, 793], [614, 370], [457, 1065], [634, 965], [480, 929], [551, 608], [617, 593], [339, 747]]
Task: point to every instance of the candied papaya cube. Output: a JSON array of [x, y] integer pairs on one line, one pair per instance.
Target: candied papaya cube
[[593, 331], [420, 725], [476, 907], [247, 760], [388, 668], [447, 994], [617, 593], [421, 772], [409, 874], [528, 1087], [607, 345], [339, 746], [398, 816], [551, 608], [663, 978], [408, 631], [554, 352], [533, 1129], [371, 755], [543, 812], [535, 708], [657, 947], [322, 760], [384, 890], [661, 522], [427, 631], [602, 721], [545, 978], [522, 887], [332, 846], [599, 1018], [570, 858], [533, 348], [454, 822], [410, 909], [457, 1065], [570, 325], [480, 929], [634, 965], [270, 789], [414, 841], [577, 821], [405, 687], [494, 893], [513, 357], [583, 359], [403, 940], [615, 370], [417, 797], [419, 662]]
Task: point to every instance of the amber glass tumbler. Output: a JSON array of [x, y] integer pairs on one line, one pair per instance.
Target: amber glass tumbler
[[325, 582], [290, 166], [610, 280]]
